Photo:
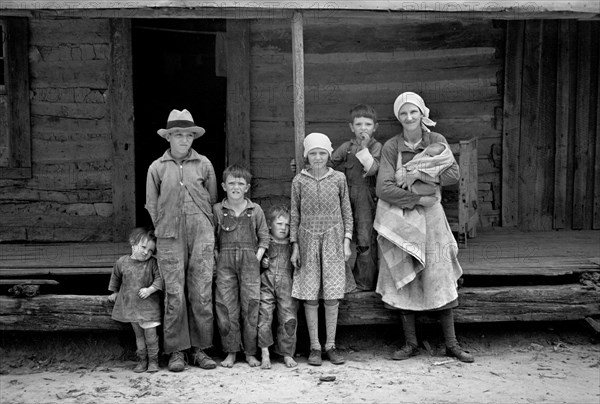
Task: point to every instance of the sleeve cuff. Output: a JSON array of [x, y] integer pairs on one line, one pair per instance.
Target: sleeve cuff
[[365, 158], [348, 236]]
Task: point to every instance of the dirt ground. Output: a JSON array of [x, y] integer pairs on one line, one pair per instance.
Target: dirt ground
[[515, 363]]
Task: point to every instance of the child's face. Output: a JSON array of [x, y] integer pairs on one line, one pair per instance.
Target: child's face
[[235, 187], [143, 250], [363, 128], [180, 143], [317, 158], [280, 227]]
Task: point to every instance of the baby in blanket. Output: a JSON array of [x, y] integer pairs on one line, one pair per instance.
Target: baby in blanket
[[424, 169]]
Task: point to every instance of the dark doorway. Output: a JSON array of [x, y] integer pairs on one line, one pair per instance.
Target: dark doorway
[[174, 67]]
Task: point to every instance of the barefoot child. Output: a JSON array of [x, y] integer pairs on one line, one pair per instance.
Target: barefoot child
[[276, 291], [135, 280], [320, 233], [242, 238]]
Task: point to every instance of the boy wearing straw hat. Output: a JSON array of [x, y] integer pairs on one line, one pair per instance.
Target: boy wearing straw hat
[[180, 189]]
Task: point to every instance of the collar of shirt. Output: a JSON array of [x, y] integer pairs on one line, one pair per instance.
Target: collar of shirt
[[277, 241], [225, 204], [403, 146], [329, 172], [192, 155]]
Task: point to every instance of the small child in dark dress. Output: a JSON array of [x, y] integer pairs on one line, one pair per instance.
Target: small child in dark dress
[[135, 280]]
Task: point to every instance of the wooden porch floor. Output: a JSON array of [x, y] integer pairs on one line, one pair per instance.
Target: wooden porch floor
[[491, 253], [504, 254]]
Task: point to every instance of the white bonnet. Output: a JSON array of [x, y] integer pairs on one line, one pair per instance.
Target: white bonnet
[[317, 141], [413, 98]]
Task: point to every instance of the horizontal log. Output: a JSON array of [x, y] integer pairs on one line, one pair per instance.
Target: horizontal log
[[28, 282], [494, 304], [69, 110], [534, 303], [76, 73], [51, 32]]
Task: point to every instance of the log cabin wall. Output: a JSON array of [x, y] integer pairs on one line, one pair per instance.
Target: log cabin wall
[[455, 64], [551, 140], [69, 197]]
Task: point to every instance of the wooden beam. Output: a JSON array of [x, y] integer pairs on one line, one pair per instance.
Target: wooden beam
[[298, 82], [511, 132], [238, 92], [476, 305], [18, 110], [582, 195], [518, 8], [121, 127]]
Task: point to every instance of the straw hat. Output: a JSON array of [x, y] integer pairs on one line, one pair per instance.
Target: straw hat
[[181, 121]]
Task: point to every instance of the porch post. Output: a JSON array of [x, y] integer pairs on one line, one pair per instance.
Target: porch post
[[298, 65]]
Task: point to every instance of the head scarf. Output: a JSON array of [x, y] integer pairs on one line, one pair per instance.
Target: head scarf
[[317, 141], [415, 99]]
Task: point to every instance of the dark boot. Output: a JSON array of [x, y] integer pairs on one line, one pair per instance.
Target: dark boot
[[142, 361]]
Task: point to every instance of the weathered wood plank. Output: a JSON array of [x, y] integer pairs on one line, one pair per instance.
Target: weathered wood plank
[[298, 89], [582, 212], [54, 32], [238, 92], [533, 303], [65, 74], [53, 152], [17, 89], [121, 128], [564, 92], [511, 132], [529, 182], [596, 213]]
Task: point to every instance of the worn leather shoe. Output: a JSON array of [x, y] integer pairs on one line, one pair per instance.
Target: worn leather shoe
[[405, 352], [458, 353], [335, 356], [177, 362], [314, 358], [203, 361]]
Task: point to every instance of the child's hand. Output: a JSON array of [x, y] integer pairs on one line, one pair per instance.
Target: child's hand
[[265, 262], [145, 292], [113, 297], [347, 250], [295, 258], [364, 141]]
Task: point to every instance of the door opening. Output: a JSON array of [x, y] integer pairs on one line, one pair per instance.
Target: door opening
[[174, 64]]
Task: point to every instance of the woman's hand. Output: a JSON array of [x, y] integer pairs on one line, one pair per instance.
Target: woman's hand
[[265, 262], [427, 201], [423, 189], [113, 297], [295, 258], [347, 251]]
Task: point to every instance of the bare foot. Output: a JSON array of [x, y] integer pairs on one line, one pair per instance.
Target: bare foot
[[252, 361], [289, 362], [229, 361], [265, 362]]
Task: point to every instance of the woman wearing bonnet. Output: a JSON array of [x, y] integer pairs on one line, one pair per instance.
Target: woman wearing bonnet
[[418, 268]]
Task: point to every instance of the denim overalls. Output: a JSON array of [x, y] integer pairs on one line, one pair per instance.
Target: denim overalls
[[238, 281], [276, 292]]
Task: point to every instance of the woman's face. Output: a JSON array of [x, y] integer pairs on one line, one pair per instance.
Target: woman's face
[[410, 116]]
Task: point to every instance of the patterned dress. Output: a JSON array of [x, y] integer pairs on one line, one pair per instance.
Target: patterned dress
[[321, 217]]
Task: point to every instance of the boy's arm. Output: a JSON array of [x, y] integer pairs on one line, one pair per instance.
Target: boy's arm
[[338, 156], [211, 183], [369, 158], [216, 213], [262, 230], [152, 192]]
